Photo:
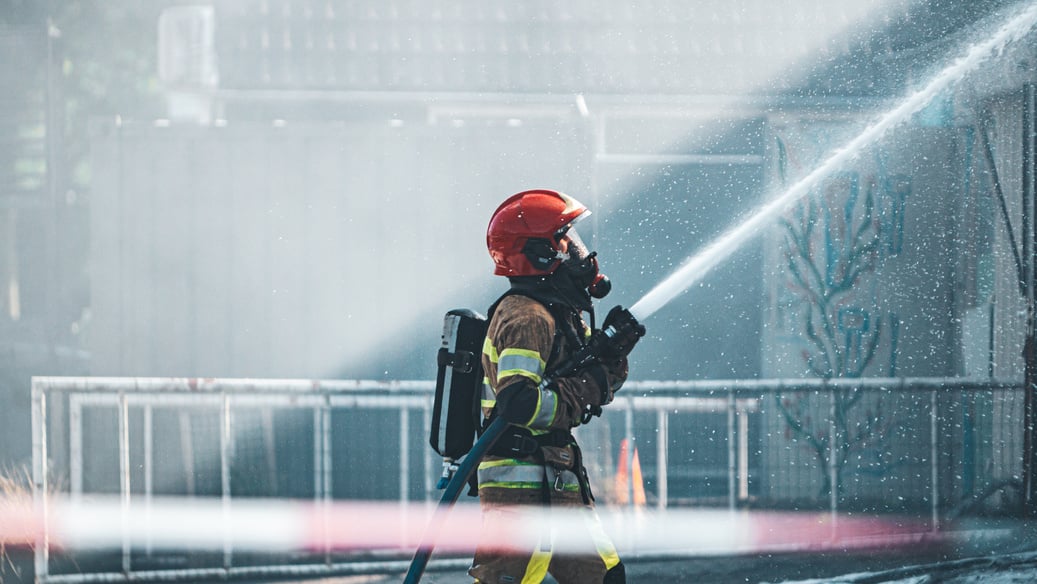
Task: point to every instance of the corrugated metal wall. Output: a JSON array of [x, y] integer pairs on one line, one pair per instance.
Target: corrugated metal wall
[[1006, 302]]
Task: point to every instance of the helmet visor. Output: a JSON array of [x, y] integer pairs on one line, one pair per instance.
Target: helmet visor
[[569, 239], [575, 247]]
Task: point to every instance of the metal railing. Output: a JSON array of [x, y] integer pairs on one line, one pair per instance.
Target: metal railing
[[166, 435]]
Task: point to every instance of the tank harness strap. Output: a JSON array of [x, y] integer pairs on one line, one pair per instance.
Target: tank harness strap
[[581, 475], [519, 442]]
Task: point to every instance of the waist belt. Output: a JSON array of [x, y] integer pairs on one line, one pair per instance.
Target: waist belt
[[518, 442]]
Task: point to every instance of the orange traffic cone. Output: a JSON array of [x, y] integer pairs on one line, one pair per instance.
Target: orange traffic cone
[[639, 485], [623, 478]]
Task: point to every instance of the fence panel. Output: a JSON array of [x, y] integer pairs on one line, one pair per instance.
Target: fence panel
[[923, 446]]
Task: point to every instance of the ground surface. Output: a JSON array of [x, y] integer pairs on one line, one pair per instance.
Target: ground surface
[[989, 553], [1001, 554]]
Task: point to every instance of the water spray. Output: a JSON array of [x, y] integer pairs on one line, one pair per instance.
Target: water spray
[[697, 266]]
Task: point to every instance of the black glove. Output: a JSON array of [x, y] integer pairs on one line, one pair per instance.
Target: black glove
[[602, 380], [618, 335]]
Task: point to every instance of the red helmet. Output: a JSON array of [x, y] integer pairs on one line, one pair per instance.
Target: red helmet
[[525, 232]]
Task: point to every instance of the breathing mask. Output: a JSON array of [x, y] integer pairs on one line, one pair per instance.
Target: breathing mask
[[581, 265]]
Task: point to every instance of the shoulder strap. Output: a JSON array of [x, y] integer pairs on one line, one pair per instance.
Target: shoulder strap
[[562, 316], [493, 307]]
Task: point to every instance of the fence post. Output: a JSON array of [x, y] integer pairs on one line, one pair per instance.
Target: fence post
[[732, 451], [833, 468], [322, 470], [75, 447], [187, 449], [426, 422], [41, 555], [225, 494], [124, 477], [663, 438], [149, 470], [743, 453], [404, 454], [404, 478], [934, 453]]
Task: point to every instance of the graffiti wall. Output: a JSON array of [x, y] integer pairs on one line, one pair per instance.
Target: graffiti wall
[[862, 280]]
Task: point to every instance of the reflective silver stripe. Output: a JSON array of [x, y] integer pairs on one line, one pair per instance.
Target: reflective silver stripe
[[511, 364], [489, 398], [548, 408], [507, 473], [489, 350], [511, 473]]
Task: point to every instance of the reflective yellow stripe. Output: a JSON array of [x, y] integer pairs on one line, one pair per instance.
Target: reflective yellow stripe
[[509, 473], [547, 408], [511, 484], [515, 362], [489, 350], [536, 569], [536, 410], [602, 543], [505, 462], [517, 372], [520, 362], [531, 359], [489, 399], [528, 485]]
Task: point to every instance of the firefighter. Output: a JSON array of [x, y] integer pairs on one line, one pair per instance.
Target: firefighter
[[536, 326]]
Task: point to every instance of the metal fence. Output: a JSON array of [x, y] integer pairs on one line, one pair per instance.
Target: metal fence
[[918, 445]]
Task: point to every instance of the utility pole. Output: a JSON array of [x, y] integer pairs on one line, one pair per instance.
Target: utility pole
[[1029, 196]]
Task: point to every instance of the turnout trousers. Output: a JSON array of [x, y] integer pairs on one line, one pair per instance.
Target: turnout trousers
[[510, 554]]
